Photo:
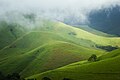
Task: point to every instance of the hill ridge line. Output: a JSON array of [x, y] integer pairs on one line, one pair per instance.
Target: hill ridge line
[[22, 37], [54, 70], [15, 41]]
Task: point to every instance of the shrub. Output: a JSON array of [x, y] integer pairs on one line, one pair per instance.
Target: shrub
[[93, 58], [72, 33], [14, 76], [107, 48]]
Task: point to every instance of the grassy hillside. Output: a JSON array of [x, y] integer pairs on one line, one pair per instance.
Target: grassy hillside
[[110, 54], [57, 55], [9, 33], [94, 31], [78, 33], [107, 69], [92, 37], [47, 47], [39, 50]]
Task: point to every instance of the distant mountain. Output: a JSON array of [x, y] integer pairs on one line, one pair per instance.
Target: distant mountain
[[106, 20]]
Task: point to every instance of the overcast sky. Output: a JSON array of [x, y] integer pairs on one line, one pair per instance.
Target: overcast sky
[[43, 4], [77, 7]]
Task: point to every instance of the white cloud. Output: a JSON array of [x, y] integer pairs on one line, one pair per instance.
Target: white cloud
[[55, 8], [22, 4]]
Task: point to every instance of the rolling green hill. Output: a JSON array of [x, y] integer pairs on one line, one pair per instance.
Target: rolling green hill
[[108, 69], [110, 54], [68, 30], [9, 33], [47, 47], [94, 31], [40, 49], [94, 38]]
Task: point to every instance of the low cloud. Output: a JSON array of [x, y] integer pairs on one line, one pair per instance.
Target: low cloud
[[54, 9]]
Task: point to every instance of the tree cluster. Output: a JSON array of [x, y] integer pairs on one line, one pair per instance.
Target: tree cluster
[[14, 76], [107, 48], [93, 58]]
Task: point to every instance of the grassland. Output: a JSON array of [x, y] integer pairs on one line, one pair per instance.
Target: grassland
[[6, 35], [93, 31], [40, 50], [107, 69], [49, 46]]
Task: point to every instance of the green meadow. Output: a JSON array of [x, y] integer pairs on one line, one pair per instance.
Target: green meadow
[[58, 51]]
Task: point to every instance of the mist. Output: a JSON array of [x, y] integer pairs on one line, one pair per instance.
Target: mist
[[60, 10]]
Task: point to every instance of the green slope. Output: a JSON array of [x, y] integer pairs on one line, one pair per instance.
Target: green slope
[[40, 50], [91, 30], [57, 55], [111, 54], [80, 34], [49, 46], [92, 37], [108, 69], [7, 36]]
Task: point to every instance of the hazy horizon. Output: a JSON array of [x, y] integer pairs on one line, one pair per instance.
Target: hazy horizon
[[53, 9]]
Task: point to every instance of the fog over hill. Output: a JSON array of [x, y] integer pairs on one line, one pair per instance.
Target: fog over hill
[[40, 38], [67, 11]]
